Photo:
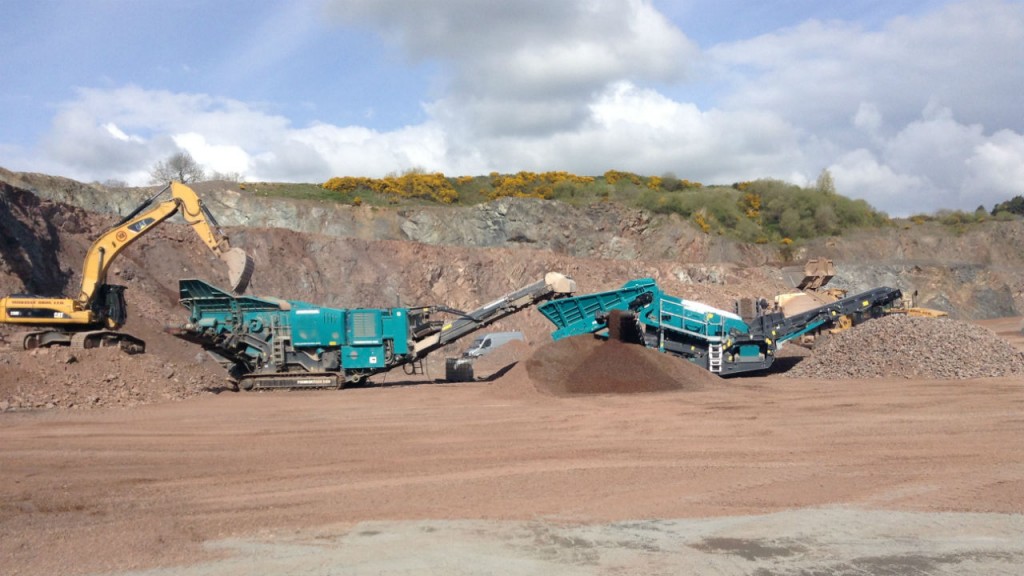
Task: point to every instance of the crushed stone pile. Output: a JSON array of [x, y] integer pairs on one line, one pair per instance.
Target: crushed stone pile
[[587, 365], [63, 378], [910, 347]]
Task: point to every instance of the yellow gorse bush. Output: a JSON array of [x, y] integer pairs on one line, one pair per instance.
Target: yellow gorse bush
[[434, 186], [531, 184]]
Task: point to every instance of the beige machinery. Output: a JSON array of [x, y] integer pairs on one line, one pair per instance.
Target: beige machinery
[[910, 308], [817, 273], [94, 316]]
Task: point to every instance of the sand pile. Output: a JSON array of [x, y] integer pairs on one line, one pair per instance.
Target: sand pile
[[909, 347], [586, 365]]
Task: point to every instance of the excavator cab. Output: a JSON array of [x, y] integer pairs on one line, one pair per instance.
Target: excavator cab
[[113, 308]]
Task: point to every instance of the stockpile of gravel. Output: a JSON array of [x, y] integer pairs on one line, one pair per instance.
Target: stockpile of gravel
[[908, 347], [587, 365]]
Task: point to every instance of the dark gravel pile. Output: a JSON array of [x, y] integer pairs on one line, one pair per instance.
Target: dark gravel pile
[[908, 347], [587, 365]]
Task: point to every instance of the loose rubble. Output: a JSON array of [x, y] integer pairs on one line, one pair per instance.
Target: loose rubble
[[911, 347], [50, 378]]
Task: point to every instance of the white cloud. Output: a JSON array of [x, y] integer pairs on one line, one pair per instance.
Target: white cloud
[[919, 114], [936, 145], [528, 67], [223, 158], [965, 55], [121, 133], [363, 152], [868, 118], [995, 169], [903, 108], [118, 133], [642, 131], [860, 174], [934, 162]]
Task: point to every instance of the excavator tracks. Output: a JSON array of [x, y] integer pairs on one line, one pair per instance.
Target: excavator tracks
[[81, 340], [105, 338], [42, 339]]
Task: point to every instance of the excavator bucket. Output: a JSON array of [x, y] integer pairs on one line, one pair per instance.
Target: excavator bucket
[[817, 273], [240, 268]]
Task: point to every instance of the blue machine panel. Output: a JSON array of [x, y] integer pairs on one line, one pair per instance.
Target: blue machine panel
[[353, 357], [317, 327], [364, 328], [396, 327]]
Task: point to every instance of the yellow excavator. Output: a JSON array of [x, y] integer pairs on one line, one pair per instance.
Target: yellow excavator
[[93, 318]]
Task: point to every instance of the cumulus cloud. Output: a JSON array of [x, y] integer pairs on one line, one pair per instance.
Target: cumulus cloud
[[897, 113], [920, 113], [934, 161], [964, 55], [995, 168], [639, 130], [529, 67], [864, 176], [120, 133], [223, 158]]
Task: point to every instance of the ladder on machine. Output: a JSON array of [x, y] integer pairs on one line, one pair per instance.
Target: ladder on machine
[[415, 367], [715, 357], [282, 340]]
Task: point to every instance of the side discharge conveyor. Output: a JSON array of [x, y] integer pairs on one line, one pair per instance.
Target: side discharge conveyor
[[719, 341], [273, 343]]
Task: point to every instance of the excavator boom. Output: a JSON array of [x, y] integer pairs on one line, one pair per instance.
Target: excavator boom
[[183, 199]]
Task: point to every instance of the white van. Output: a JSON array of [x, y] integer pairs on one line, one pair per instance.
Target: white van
[[489, 342]]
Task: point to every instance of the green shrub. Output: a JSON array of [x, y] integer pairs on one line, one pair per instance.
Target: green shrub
[[1014, 205], [764, 211]]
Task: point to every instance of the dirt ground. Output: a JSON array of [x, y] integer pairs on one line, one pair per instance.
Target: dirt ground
[[764, 475]]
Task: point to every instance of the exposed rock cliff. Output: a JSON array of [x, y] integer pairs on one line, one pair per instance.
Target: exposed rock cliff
[[975, 274]]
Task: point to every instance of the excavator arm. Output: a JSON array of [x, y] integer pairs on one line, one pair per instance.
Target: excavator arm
[[107, 247]]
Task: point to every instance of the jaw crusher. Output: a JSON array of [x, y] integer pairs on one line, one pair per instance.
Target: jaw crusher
[[273, 343], [717, 340]]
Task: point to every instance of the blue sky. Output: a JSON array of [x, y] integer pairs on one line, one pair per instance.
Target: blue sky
[[913, 106]]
